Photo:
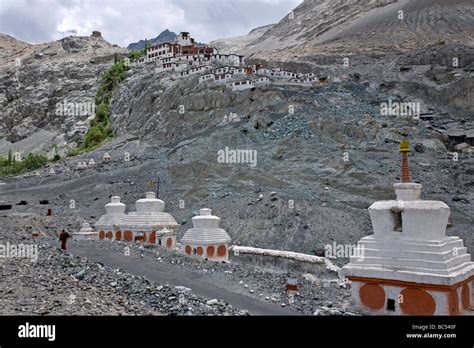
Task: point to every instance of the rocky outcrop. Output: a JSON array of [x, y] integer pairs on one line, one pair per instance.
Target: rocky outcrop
[[165, 36], [51, 88]]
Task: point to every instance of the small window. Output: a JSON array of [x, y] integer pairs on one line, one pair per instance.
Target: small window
[[397, 219], [390, 305]]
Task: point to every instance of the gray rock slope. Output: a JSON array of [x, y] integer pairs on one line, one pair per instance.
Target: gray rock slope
[[327, 161], [35, 78], [327, 151], [366, 25]]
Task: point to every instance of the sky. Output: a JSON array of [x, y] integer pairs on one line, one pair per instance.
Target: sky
[[124, 21]]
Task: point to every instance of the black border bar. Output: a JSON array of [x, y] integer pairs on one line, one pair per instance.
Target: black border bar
[[192, 331]]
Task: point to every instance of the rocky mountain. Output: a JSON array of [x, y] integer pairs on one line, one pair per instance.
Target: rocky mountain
[[165, 36], [364, 26], [35, 78], [302, 193], [236, 44], [11, 47], [324, 153]]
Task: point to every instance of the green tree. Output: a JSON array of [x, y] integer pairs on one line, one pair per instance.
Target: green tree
[[134, 55]]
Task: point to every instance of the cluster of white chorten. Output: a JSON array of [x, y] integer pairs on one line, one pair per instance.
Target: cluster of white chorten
[[150, 224], [409, 265]]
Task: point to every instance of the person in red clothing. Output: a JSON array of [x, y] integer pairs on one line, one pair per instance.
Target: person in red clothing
[[63, 236]]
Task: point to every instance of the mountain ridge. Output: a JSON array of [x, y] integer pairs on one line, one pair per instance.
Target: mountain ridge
[[333, 26], [164, 36]]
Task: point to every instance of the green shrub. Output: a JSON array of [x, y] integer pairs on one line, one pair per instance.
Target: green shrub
[[134, 55], [76, 151], [100, 129], [32, 161], [94, 136]]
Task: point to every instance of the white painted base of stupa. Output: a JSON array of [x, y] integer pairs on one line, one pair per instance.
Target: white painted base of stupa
[[168, 241], [432, 277], [401, 298], [165, 238], [214, 252], [78, 236]]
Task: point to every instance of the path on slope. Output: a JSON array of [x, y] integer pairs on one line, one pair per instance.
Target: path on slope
[[167, 274]]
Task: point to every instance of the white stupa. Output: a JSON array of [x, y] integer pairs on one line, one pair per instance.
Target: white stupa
[[409, 266], [150, 223], [85, 233], [81, 165], [108, 224], [206, 239]]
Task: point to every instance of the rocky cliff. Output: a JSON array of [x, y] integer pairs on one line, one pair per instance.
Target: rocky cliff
[[41, 86], [323, 154]]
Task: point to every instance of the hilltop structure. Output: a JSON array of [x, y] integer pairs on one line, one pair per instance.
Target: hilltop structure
[[409, 265], [184, 57], [206, 239]]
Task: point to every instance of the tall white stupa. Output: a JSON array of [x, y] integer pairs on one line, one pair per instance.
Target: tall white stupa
[[150, 223], [409, 266], [206, 239], [108, 224]]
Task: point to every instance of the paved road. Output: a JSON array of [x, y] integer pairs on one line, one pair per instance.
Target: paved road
[[166, 273]]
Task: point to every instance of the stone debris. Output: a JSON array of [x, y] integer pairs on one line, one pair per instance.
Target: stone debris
[[62, 284], [249, 281]]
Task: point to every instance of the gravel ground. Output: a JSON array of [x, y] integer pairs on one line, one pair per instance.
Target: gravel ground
[[65, 284], [61, 284], [320, 296]]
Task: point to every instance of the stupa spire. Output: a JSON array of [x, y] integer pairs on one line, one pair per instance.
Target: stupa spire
[[405, 149]]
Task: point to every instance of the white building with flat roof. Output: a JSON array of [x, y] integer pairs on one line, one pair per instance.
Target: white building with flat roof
[[240, 85], [228, 59], [223, 78], [262, 81], [207, 78]]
